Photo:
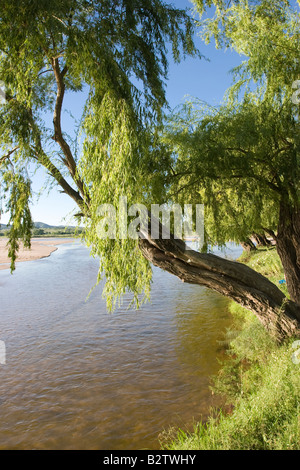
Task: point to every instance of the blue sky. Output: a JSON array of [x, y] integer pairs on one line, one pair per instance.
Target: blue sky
[[207, 80]]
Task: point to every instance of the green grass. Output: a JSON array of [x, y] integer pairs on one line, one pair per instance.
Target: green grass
[[260, 381], [267, 262]]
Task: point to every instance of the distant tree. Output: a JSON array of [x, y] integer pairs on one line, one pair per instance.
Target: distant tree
[[38, 231]]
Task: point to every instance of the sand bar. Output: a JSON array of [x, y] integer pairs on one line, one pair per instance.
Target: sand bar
[[40, 248]]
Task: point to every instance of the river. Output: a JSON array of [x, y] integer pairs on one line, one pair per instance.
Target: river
[[77, 377]]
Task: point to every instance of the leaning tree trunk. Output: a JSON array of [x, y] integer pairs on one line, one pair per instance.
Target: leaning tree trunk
[[280, 316], [288, 247], [248, 245], [261, 239]]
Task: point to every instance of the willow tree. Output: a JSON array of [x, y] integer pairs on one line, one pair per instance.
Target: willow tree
[[242, 160], [243, 157], [115, 54]]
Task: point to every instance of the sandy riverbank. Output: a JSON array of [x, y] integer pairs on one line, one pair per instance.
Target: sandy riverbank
[[40, 248]]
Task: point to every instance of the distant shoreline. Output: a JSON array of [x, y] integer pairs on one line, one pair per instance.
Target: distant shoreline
[[40, 248]]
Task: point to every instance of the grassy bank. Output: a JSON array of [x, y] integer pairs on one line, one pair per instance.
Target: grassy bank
[[261, 382]]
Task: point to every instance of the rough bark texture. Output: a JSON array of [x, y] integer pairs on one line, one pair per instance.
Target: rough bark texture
[[280, 316], [288, 247]]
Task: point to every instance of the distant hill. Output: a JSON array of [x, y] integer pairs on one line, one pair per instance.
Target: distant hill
[[40, 225], [43, 225]]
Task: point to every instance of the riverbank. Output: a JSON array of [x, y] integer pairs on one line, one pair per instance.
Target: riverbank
[[40, 248], [261, 381]]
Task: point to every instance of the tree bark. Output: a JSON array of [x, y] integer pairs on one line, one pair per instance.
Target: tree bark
[[280, 316], [288, 247], [261, 239], [248, 245]]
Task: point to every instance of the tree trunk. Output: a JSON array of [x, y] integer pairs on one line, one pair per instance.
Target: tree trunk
[[288, 247], [248, 245], [261, 239], [279, 315]]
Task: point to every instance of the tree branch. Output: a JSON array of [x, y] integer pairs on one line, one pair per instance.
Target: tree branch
[[44, 160], [2, 159], [58, 135], [230, 278]]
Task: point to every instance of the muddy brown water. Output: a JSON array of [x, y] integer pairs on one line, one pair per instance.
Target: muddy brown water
[[77, 377]]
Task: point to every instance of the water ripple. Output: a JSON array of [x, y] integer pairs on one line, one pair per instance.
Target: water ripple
[[77, 377]]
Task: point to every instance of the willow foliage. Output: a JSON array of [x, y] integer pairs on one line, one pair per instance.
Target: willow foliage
[[113, 55], [266, 35], [241, 159]]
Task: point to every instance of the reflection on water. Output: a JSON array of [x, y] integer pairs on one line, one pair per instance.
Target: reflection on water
[[77, 377]]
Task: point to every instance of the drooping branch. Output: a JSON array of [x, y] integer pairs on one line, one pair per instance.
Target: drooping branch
[[230, 278], [6, 156]]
